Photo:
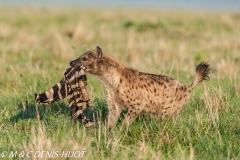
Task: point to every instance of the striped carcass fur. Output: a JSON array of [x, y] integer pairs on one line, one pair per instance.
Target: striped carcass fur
[[73, 84]]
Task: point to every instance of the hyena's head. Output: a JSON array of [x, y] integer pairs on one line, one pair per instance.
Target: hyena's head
[[89, 60]]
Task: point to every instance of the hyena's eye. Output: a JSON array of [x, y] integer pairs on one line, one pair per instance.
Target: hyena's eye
[[84, 58]]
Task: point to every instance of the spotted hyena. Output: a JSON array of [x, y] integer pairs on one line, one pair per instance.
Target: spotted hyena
[[139, 92]]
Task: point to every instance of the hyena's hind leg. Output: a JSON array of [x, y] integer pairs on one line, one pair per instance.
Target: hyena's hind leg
[[132, 114]]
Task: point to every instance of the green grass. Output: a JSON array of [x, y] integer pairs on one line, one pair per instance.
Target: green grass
[[36, 46]]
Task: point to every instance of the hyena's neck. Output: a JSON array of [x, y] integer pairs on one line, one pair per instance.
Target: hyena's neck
[[110, 73], [110, 79]]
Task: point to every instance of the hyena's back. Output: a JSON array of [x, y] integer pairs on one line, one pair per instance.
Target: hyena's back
[[161, 95]]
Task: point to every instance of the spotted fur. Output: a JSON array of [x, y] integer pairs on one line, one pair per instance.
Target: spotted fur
[[137, 91]]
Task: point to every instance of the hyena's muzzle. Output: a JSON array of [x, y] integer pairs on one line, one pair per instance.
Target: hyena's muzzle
[[75, 63]]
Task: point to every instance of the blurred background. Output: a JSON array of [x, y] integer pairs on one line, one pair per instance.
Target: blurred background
[[170, 4]]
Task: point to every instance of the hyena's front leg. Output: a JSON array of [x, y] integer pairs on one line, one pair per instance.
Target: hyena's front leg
[[132, 114], [113, 111]]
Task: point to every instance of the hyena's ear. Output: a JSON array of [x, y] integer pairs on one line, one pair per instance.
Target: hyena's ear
[[99, 52]]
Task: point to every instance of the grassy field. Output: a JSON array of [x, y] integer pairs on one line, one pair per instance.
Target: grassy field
[[37, 44]]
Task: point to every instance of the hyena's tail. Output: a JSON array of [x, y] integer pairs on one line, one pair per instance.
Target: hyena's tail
[[202, 71]]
